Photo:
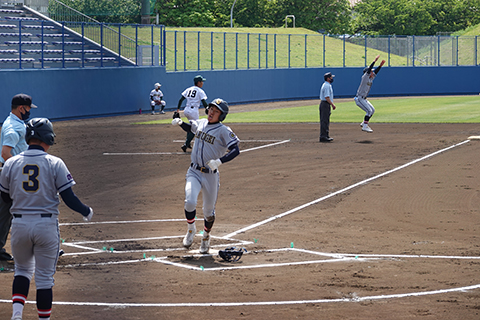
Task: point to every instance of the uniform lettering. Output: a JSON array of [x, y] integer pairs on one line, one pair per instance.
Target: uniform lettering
[[205, 137], [31, 185]]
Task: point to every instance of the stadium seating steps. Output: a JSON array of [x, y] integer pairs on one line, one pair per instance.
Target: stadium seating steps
[[40, 43]]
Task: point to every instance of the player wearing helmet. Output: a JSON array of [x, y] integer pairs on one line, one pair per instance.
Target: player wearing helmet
[[156, 99], [363, 90], [33, 180], [215, 144], [195, 97]]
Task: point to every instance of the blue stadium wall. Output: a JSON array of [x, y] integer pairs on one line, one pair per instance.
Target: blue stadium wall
[[78, 93]]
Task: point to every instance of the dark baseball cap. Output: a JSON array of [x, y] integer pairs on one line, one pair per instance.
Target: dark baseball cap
[[198, 79], [23, 99], [328, 75]]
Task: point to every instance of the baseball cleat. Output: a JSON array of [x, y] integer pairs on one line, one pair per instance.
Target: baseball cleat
[[188, 240], [205, 246], [162, 112], [184, 148], [366, 128], [361, 124]]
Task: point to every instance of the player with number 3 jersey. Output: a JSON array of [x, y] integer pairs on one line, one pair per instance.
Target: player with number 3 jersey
[[32, 181]]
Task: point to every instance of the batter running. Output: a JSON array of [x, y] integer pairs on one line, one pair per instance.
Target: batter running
[[215, 144], [363, 90]]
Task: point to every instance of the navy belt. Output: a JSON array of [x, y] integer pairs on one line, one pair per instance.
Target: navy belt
[[202, 169], [43, 215]]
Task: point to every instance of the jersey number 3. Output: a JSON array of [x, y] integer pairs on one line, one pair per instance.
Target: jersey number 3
[[32, 172]]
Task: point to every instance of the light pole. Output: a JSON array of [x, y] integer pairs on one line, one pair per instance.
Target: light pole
[[231, 14]]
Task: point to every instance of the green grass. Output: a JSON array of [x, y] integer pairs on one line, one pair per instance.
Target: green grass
[[448, 109]]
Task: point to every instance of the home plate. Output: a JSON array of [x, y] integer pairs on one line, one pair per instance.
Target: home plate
[[210, 252], [474, 138]]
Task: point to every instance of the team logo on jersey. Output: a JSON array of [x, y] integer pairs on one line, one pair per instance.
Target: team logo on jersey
[[232, 135], [205, 137]]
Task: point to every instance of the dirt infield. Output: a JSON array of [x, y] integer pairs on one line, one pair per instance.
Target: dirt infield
[[371, 226]]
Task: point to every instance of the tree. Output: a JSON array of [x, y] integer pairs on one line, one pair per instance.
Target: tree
[[392, 17], [331, 15], [186, 13]]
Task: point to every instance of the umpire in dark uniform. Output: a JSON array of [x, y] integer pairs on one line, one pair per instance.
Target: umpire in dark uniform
[[326, 100]]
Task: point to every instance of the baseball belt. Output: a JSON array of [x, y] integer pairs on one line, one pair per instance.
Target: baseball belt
[[43, 215], [202, 169]]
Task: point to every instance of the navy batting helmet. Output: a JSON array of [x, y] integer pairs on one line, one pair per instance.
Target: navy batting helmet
[[231, 254], [222, 105], [41, 129]]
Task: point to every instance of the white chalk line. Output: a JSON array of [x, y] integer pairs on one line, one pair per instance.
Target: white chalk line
[[341, 191], [170, 153], [262, 303]]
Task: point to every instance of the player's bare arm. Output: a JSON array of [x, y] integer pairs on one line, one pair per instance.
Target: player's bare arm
[[330, 102], [6, 152]]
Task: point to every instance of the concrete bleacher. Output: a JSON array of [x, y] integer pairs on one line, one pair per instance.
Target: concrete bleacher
[[30, 40]]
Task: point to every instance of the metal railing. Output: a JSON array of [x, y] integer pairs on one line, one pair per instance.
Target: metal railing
[[199, 50]]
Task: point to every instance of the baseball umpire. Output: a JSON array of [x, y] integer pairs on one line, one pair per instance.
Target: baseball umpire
[[215, 144], [32, 180], [363, 90]]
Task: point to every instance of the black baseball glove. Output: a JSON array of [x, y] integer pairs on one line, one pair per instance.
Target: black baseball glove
[[231, 254], [176, 115]]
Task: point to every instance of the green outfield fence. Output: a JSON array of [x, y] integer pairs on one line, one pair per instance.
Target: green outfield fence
[[189, 50]]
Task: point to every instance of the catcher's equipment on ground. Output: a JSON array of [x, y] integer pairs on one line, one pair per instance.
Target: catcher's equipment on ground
[[176, 115], [231, 254]]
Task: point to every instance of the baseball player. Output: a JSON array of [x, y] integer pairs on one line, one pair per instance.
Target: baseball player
[[363, 90], [156, 99], [215, 144], [194, 96], [32, 181], [13, 142]]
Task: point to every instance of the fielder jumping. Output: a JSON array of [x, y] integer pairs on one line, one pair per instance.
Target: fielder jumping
[[363, 90], [215, 144], [156, 99]]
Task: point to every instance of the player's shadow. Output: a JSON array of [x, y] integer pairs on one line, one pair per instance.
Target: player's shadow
[[365, 141]]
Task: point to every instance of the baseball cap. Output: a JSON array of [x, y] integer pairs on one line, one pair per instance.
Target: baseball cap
[[23, 99], [328, 75], [198, 79]]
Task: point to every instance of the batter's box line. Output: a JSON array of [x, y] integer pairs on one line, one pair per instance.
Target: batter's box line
[[258, 303], [168, 153]]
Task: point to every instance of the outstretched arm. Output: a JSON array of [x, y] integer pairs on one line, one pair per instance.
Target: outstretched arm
[[377, 70], [372, 64]]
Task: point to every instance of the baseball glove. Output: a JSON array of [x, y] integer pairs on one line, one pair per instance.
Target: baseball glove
[[231, 254], [176, 115]]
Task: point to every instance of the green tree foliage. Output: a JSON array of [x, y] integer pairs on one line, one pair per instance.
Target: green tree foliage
[[414, 17], [115, 11], [331, 15], [186, 13]]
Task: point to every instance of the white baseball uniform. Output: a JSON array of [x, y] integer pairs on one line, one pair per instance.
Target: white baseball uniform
[[33, 179], [156, 95], [194, 96]]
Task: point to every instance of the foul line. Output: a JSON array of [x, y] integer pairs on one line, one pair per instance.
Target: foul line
[[261, 303], [341, 191]]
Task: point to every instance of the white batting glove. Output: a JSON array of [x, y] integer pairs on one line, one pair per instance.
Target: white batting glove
[[214, 164], [177, 121], [89, 217]]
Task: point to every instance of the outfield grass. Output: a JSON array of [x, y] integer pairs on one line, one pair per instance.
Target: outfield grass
[[448, 109]]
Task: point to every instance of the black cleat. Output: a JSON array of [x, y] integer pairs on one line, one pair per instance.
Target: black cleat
[[5, 256], [184, 148], [326, 139]]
